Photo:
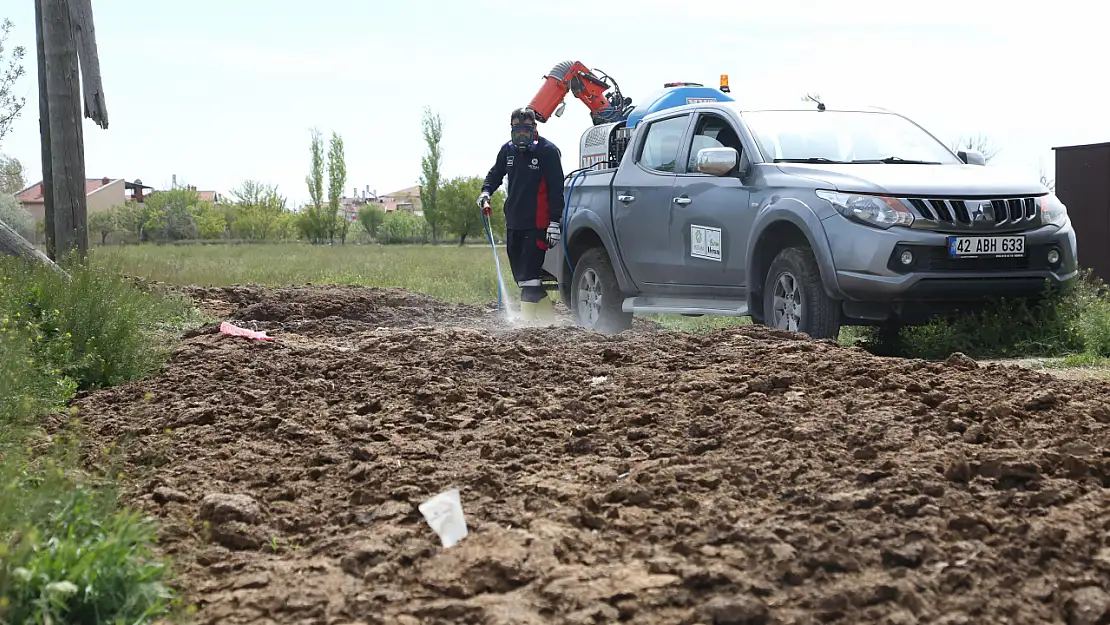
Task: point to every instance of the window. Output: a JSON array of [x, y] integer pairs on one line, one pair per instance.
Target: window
[[662, 143], [847, 136], [712, 131]]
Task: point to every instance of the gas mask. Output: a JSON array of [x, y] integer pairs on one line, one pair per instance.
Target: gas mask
[[523, 135]]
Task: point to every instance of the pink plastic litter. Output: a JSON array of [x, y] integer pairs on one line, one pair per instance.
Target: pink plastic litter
[[234, 330]]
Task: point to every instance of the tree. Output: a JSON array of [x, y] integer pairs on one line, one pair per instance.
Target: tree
[[312, 222], [256, 213], [430, 167], [171, 215], [11, 70], [337, 180], [980, 143], [16, 217], [401, 226], [104, 223], [370, 217], [462, 217], [12, 179]]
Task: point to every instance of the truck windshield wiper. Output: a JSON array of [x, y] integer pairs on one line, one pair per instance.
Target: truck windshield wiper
[[812, 159], [897, 160]]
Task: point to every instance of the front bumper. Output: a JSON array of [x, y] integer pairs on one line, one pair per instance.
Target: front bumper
[[868, 267]]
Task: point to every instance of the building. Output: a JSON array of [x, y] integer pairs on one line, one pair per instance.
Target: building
[[100, 195], [407, 199]]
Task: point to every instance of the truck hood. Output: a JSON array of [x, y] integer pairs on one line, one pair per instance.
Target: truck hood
[[913, 180]]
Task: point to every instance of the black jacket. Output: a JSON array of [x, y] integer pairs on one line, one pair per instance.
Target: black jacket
[[535, 187]]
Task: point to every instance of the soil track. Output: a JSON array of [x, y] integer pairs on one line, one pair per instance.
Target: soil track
[[740, 477]]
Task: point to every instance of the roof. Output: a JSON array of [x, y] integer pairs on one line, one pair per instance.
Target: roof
[[33, 193], [1084, 146], [414, 191]]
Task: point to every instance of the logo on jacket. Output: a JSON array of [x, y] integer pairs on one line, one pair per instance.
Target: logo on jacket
[[509, 161], [535, 164]]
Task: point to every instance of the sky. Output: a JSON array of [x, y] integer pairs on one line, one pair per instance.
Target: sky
[[218, 92]]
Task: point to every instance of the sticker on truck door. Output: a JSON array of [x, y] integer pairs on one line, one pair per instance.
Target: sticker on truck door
[[705, 242]]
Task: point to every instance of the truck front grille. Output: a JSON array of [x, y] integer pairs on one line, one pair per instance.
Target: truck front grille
[[977, 214]]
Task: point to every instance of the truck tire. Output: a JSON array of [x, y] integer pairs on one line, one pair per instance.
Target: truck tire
[[601, 310], [795, 277]]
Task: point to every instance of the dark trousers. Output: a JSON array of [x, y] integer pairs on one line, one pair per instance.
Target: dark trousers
[[526, 261]]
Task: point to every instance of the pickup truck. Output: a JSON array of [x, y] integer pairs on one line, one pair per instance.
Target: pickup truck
[[805, 220]]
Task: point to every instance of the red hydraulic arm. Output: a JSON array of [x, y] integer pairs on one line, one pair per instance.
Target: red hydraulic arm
[[572, 77]]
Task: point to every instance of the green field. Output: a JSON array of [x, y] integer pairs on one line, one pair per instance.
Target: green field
[[1073, 330]]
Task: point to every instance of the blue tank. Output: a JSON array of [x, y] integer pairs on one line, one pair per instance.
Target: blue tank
[[670, 97]]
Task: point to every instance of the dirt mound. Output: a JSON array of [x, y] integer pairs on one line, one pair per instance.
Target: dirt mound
[[743, 476]]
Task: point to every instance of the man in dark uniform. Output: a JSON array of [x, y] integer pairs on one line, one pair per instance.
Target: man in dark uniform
[[533, 208]]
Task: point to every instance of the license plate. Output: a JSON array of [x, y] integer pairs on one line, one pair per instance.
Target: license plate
[[998, 247]]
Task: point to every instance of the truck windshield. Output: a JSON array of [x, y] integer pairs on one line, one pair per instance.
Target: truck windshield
[[844, 137]]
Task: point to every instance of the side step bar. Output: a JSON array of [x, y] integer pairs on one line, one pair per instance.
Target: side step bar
[[687, 306]]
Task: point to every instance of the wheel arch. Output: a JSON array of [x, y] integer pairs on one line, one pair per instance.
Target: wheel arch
[[777, 229], [587, 230]]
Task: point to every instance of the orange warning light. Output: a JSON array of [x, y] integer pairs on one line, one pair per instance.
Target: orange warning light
[[724, 83]]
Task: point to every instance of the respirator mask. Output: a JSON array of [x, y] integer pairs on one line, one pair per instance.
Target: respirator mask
[[523, 135]]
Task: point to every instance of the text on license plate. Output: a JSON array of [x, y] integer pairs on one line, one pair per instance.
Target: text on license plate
[[986, 246]]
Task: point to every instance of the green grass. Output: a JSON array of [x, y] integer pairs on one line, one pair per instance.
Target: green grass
[[1076, 324], [68, 551]]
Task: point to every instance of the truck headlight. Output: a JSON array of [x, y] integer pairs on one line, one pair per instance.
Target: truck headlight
[[1052, 210], [874, 210]]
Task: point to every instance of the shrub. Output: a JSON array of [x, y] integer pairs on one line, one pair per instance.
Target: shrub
[[17, 219], [95, 328], [68, 554], [1073, 321]]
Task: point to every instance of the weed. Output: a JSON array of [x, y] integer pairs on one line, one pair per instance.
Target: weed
[[68, 552]]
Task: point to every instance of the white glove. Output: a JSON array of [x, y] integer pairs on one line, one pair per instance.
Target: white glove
[[483, 199], [554, 234]]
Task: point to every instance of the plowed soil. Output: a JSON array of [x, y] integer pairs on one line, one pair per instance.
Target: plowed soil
[[741, 477]]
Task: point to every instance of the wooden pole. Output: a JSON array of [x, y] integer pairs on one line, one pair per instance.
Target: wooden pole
[[82, 15], [44, 134], [13, 244], [66, 141]]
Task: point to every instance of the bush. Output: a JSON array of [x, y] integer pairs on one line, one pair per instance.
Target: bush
[[71, 557], [95, 329], [1073, 321], [17, 219], [67, 553]]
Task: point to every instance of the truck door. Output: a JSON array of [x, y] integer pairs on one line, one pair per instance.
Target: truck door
[[711, 216], [643, 188]]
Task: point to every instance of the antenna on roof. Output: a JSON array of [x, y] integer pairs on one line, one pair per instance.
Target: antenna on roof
[[813, 97]]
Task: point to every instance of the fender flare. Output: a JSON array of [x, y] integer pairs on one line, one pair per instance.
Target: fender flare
[[585, 220], [800, 215]]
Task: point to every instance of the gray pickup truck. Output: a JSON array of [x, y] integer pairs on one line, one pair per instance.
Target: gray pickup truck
[[804, 220]]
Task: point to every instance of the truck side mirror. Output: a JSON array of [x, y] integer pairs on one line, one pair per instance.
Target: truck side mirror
[[717, 161], [971, 157]]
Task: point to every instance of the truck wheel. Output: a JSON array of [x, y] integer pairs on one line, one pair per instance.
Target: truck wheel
[[595, 295], [794, 299]]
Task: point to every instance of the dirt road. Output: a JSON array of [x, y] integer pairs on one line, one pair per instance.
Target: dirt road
[[740, 477]]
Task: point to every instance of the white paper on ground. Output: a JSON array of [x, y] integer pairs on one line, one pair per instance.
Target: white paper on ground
[[444, 515]]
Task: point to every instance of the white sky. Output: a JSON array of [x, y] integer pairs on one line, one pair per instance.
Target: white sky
[[221, 91]]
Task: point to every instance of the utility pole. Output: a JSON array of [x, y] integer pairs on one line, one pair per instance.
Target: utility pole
[[66, 36], [44, 136]]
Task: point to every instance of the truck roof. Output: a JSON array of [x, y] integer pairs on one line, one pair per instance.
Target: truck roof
[[742, 107]]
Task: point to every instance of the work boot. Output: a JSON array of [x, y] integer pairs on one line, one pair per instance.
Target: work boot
[[545, 311]]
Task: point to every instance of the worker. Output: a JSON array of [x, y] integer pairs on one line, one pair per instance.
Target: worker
[[533, 208]]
